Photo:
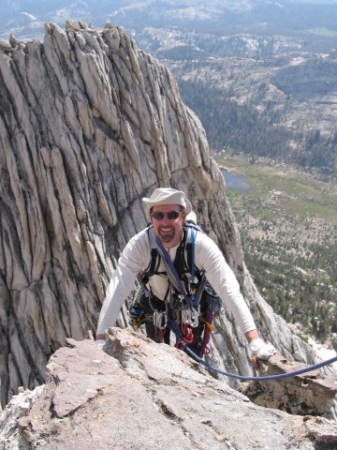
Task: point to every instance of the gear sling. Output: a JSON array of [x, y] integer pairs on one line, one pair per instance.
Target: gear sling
[[190, 303]]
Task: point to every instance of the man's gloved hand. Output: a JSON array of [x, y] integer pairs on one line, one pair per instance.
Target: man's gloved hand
[[100, 342], [261, 349]]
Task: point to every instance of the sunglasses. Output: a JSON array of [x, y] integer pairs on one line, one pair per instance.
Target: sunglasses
[[171, 215]]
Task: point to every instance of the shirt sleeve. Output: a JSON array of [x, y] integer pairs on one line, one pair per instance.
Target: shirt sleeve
[[131, 261], [223, 280]]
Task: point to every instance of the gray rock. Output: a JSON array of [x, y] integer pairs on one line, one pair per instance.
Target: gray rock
[[139, 394]]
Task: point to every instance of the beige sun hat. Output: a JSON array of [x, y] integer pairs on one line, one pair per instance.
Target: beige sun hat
[[168, 196]]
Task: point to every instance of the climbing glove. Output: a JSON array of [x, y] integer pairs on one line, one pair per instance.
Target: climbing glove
[[261, 349]]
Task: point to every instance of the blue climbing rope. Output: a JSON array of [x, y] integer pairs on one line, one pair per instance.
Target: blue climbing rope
[[280, 376]]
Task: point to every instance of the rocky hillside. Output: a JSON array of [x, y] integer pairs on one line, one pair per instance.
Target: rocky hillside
[[266, 96], [89, 124]]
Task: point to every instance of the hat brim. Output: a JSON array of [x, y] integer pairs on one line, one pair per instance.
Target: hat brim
[[167, 196]]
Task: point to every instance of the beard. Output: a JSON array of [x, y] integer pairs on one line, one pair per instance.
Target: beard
[[166, 234]]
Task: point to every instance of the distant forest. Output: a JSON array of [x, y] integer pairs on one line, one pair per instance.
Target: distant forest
[[238, 128]]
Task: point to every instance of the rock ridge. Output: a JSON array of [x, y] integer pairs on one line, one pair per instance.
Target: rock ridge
[[139, 394]]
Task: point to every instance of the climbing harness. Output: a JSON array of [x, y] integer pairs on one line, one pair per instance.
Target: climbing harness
[[192, 303]]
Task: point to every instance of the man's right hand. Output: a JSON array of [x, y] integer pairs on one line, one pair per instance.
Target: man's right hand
[[260, 350]]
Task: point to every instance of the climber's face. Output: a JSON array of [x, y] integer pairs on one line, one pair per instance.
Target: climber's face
[[168, 221]]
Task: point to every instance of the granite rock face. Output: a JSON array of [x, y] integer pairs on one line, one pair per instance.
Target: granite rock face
[[139, 394], [89, 124]]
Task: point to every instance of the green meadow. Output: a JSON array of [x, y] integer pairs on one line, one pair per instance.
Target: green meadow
[[288, 225]]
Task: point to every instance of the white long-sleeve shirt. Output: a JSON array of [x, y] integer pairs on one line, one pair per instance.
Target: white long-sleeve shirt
[[136, 257]]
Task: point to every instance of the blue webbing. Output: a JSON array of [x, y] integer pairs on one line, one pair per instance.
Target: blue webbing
[[169, 264]]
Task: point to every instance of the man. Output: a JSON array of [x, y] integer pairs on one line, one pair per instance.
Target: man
[[168, 209]]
